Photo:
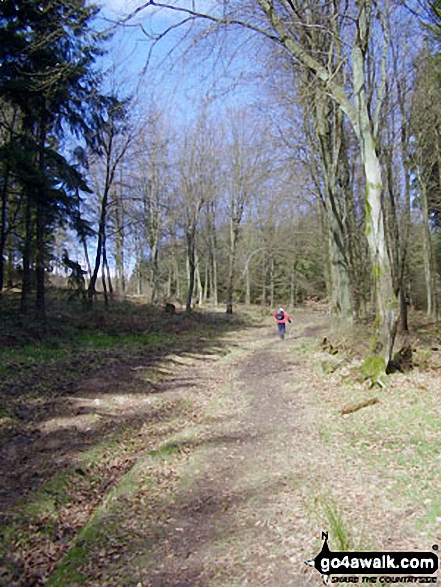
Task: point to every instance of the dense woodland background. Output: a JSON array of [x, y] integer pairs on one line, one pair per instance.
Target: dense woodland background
[[326, 186]]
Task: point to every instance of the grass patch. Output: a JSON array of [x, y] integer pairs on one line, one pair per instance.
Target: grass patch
[[338, 530], [166, 450], [397, 440], [330, 519], [116, 525]]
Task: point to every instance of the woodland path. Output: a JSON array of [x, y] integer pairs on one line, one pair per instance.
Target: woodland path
[[264, 484], [235, 463]]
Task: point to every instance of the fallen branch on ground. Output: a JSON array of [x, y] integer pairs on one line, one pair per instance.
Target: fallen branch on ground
[[356, 407]]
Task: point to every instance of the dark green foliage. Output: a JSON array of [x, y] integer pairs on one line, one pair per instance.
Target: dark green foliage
[[48, 81]]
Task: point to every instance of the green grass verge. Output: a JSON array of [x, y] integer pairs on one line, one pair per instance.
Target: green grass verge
[[113, 528], [398, 440]]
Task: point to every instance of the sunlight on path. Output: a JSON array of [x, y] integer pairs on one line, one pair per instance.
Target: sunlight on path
[[259, 492]]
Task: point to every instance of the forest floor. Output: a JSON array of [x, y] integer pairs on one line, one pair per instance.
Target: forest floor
[[218, 463]]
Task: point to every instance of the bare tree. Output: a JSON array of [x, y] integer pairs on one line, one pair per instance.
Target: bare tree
[[196, 186], [246, 173], [287, 23], [115, 141], [154, 182]]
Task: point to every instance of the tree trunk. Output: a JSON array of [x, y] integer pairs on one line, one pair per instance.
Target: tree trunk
[[212, 243], [40, 260], [386, 300], [86, 256], [99, 247], [191, 259], [10, 265], [169, 283], [41, 228], [330, 130], [200, 291], [119, 239], [103, 280], [428, 259], [341, 301], [264, 274], [234, 231], [153, 273], [3, 225], [27, 247], [272, 300], [106, 266], [177, 280], [214, 281], [206, 292], [292, 286], [248, 287]]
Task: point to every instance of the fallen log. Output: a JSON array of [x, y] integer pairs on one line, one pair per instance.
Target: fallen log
[[356, 407]]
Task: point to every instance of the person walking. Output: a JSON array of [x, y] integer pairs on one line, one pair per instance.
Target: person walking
[[282, 318]]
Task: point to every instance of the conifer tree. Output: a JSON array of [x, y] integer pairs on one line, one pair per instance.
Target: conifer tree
[[47, 56]]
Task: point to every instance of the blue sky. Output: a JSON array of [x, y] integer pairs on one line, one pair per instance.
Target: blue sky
[[179, 81]]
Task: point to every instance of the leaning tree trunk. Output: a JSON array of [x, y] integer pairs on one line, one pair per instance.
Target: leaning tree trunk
[[387, 310], [386, 301], [323, 120], [199, 288]]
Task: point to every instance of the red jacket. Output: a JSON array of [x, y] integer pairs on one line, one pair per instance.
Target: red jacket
[[286, 317]]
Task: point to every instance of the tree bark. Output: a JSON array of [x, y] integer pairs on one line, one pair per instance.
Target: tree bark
[[264, 274], [191, 259], [3, 225], [248, 287], [292, 287], [234, 232], [358, 115], [387, 310], [27, 247], [119, 239], [212, 254], [99, 246], [199, 289], [329, 129], [40, 260], [41, 227], [429, 271], [272, 300], [341, 301]]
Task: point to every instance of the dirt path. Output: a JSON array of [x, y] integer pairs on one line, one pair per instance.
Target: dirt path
[[232, 481], [261, 488]]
